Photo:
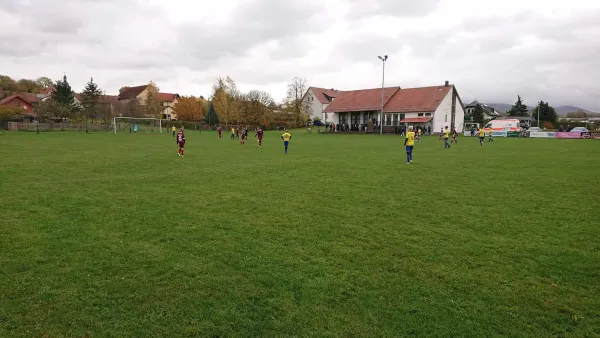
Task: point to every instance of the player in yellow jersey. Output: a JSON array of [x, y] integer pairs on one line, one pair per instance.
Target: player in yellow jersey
[[482, 135], [490, 139], [446, 137], [174, 130], [286, 137], [409, 143]]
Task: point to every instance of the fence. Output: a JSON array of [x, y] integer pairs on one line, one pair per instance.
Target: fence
[[59, 126]]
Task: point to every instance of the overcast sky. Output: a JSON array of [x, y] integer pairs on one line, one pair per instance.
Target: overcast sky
[[491, 50]]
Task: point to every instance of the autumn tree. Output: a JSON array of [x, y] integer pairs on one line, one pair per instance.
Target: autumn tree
[[294, 104], [8, 113], [258, 102], [8, 84], [44, 82], [52, 109], [154, 106], [223, 100], [189, 108], [90, 98]]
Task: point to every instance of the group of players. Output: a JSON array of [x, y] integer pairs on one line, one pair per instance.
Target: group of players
[[412, 136], [235, 134]]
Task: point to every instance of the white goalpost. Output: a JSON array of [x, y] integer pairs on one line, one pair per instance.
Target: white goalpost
[[137, 124]]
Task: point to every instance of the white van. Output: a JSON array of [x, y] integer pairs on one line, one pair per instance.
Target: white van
[[503, 127]]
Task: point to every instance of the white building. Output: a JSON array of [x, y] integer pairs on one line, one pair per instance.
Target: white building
[[317, 99], [431, 108]]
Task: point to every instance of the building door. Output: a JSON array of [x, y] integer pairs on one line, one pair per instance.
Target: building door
[[395, 120]]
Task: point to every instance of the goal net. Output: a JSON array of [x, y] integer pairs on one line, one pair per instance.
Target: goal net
[[140, 125]]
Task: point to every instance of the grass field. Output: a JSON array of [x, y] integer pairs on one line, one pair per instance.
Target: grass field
[[114, 235]]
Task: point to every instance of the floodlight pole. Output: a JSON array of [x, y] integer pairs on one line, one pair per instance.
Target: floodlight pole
[[538, 118], [383, 60]]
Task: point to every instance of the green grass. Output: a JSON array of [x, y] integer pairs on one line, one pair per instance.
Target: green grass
[[114, 235]]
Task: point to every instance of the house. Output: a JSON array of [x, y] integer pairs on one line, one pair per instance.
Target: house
[[19, 101], [428, 107], [488, 111], [317, 99], [140, 93]]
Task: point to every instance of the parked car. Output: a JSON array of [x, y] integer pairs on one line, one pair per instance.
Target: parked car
[[584, 132], [527, 133]]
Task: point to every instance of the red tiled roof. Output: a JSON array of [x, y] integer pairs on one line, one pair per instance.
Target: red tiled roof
[[322, 93], [166, 97], [416, 99], [8, 99], [131, 92], [30, 98], [360, 100], [416, 120], [47, 91]]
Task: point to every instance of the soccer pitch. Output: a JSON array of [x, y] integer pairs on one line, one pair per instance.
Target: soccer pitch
[[114, 235]]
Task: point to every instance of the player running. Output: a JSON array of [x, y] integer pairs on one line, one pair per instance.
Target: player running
[[409, 144], [490, 139], [446, 137], [454, 136], [286, 137], [220, 132], [180, 142], [259, 135], [244, 136], [481, 135]]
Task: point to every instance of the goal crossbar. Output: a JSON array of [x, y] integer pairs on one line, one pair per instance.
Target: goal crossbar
[[136, 118]]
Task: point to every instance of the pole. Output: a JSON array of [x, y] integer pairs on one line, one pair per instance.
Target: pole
[[538, 115], [383, 59], [115, 124]]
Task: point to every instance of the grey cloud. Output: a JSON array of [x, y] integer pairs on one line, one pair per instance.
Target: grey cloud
[[252, 24], [397, 8]]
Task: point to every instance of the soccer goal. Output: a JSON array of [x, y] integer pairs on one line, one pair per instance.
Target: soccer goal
[[144, 125]]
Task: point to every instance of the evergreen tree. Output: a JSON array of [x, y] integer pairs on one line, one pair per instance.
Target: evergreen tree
[[211, 117], [63, 93], [90, 98], [546, 113], [478, 114], [518, 109]]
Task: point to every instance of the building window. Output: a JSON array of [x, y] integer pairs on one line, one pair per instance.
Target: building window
[[420, 114], [428, 114], [388, 119], [446, 118]]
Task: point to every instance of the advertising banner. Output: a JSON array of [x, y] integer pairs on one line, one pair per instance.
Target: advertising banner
[[575, 134], [498, 133], [542, 134]]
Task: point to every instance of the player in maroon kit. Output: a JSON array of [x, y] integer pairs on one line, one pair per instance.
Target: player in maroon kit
[[220, 131], [259, 134], [244, 136], [180, 142]]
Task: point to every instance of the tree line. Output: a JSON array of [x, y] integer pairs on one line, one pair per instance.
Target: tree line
[[227, 104], [547, 113]]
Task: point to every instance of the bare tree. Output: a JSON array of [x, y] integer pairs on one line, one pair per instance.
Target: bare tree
[[300, 110]]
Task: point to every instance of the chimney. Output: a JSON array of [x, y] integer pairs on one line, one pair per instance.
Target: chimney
[[447, 83]]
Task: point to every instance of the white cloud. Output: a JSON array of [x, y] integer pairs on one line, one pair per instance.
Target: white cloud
[[491, 50]]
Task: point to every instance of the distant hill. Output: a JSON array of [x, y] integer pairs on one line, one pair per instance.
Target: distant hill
[[560, 110]]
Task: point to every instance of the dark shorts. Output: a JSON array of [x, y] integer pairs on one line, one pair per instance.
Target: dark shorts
[[181, 144], [286, 143], [409, 149], [481, 138]]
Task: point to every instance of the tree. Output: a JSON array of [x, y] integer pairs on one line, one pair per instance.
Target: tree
[[50, 108], [44, 82], [220, 104], [478, 114], [123, 89], [28, 86], [90, 98], [518, 109], [300, 110], [8, 113], [258, 106], [133, 108], [154, 106], [8, 84], [211, 117], [63, 95], [189, 108], [226, 99], [546, 113]]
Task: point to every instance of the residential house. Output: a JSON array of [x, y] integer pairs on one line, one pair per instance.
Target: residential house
[[489, 112], [317, 99], [140, 93], [20, 101], [429, 107]]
